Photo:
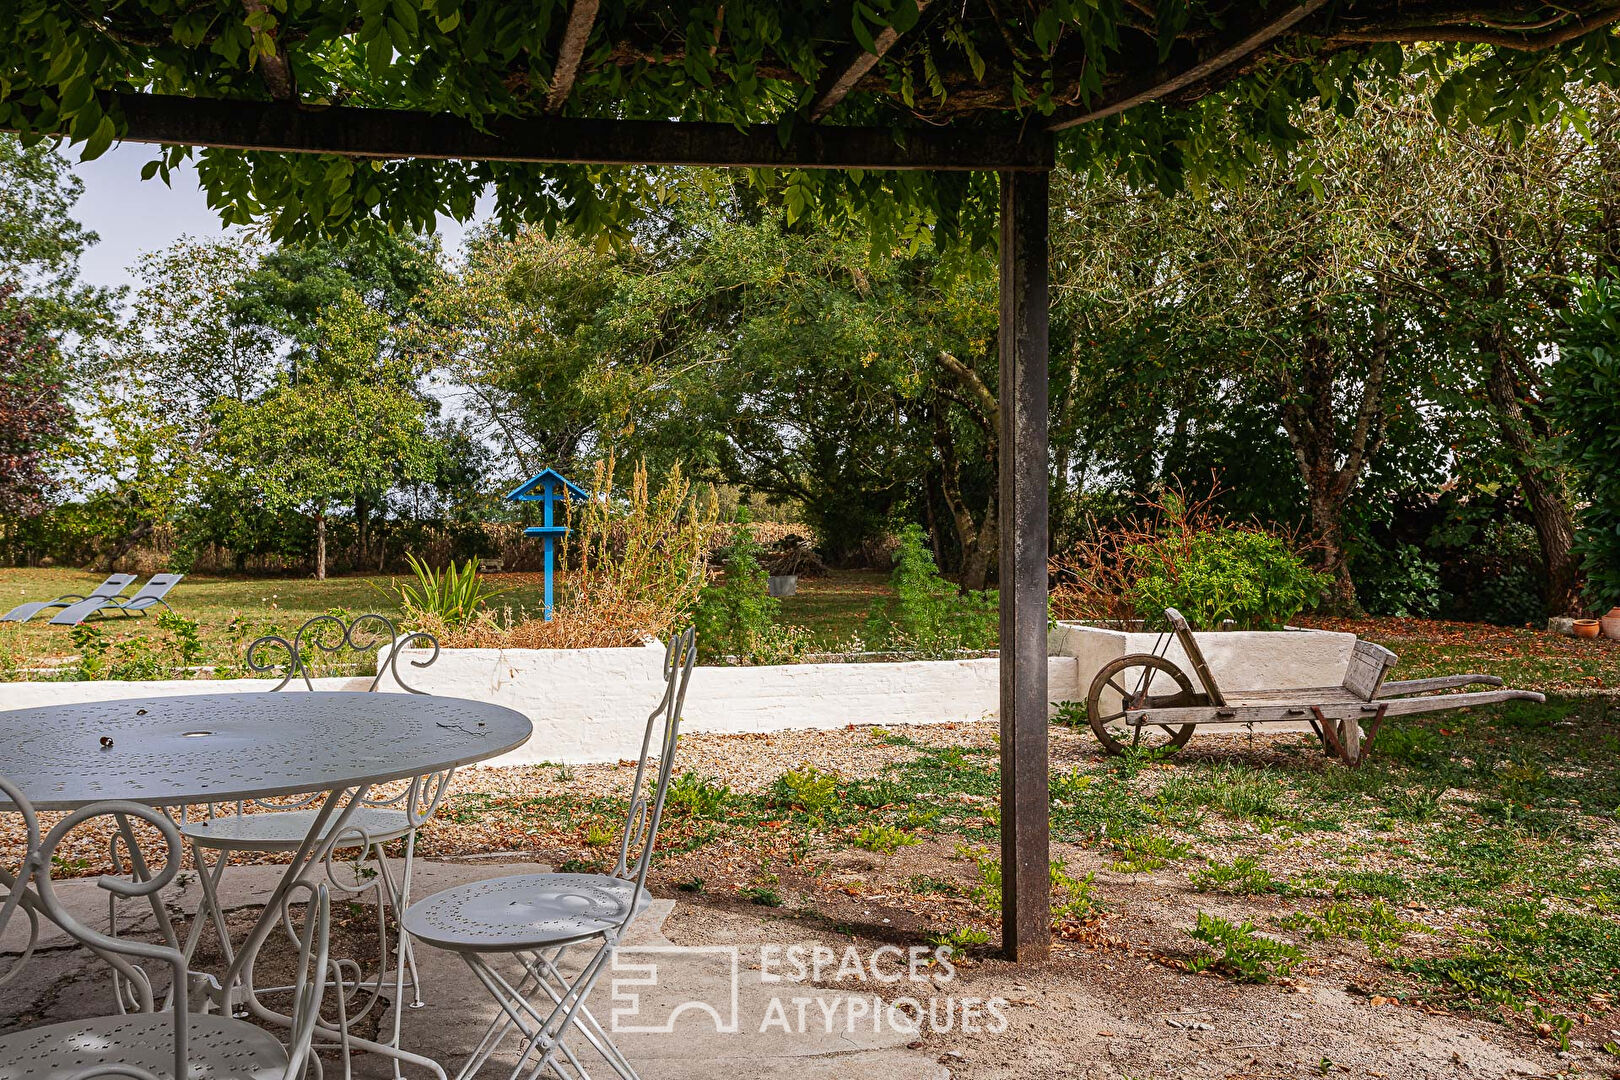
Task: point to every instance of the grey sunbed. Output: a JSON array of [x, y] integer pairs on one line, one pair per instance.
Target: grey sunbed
[[109, 589], [150, 595]]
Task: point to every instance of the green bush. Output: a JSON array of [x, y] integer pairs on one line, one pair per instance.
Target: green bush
[[1251, 577], [929, 614], [1586, 401], [1398, 581]]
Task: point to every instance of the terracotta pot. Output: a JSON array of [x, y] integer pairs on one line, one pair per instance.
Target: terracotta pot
[[1611, 624], [1587, 628]]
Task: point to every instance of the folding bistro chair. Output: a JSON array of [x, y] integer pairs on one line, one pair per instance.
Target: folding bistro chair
[[150, 595], [280, 825], [536, 918], [154, 1035], [107, 590]]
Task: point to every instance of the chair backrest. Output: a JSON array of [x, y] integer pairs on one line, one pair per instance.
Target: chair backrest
[[1368, 665], [156, 587], [328, 634], [141, 873], [115, 584], [1195, 655], [651, 785]]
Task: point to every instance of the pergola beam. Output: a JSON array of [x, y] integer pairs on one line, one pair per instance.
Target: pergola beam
[[841, 78], [581, 17], [1249, 32], [283, 127]]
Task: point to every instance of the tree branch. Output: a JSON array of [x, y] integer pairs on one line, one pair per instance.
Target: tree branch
[[581, 17], [1244, 38], [839, 79]]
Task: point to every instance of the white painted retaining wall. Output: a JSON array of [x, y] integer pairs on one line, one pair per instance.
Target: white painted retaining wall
[[592, 704]]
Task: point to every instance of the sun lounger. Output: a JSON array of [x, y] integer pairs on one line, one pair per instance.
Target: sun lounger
[[1145, 691], [109, 589], [150, 595]]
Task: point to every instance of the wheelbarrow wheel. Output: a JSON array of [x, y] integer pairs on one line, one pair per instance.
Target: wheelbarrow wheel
[[1130, 683]]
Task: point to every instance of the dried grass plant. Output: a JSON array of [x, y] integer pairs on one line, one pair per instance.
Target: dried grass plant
[[631, 567]]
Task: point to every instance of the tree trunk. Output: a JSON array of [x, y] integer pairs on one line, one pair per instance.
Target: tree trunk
[[981, 538], [320, 545], [1543, 488], [1310, 421]]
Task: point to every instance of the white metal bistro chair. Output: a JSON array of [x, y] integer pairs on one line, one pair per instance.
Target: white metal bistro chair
[[281, 825], [537, 917], [154, 1035]]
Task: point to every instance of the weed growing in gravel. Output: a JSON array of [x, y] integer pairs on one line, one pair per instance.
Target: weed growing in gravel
[[1068, 787], [883, 839], [960, 939], [874, 794], [694, 885], [1239, 953], [763, 895], [1147, 851], [1244, 794], [1376, 924], [926, 884], [806, 788], [1240, 877], [1076, 897], [697, 796], [597, 835]]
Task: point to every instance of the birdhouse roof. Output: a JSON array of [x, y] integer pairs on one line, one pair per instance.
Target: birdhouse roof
[[534, 488]]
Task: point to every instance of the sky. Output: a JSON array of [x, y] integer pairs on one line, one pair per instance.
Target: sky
[[134, 216]]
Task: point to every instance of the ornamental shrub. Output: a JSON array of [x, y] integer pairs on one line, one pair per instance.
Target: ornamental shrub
[[1187, 557], [1252, 577], [1585, 400]]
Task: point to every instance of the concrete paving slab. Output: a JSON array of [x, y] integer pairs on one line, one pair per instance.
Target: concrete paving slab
[[721, 1019]]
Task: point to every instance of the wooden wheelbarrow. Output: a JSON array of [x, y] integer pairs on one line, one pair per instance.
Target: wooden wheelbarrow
[[1145, 700]]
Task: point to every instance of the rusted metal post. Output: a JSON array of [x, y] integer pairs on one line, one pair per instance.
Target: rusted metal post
[[1026, 927]]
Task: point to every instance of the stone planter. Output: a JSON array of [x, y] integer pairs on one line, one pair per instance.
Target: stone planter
[[1610, 624], [782, 584]]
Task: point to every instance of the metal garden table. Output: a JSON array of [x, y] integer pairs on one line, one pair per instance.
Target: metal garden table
[[178, 751]]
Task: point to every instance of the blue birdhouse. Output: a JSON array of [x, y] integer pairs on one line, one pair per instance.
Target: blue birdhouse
[[548, 487]]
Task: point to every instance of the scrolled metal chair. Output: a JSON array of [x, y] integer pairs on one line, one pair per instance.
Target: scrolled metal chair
[[307, 642], [274, 825], [537, 917], [155, 1035]]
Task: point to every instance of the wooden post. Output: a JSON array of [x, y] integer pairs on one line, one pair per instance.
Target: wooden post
[[1026, 925]]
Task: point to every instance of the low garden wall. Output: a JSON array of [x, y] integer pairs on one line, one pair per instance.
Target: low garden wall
[[591, 704]]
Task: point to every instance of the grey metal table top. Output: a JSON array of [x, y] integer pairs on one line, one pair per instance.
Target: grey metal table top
[[169, 751]]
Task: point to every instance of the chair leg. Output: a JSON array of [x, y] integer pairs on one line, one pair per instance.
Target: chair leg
[[544, 1031]]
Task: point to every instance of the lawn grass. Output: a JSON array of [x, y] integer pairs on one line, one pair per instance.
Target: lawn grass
[[232, 611], [229, 611], [833, 607]]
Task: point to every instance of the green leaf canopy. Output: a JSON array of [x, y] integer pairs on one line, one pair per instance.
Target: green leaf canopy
[[1129, 82]]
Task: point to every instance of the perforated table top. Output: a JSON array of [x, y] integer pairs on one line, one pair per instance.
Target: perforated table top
[[169, 751]]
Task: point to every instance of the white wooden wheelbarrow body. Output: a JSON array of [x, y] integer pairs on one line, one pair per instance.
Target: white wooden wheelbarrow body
[[1146, 694]]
